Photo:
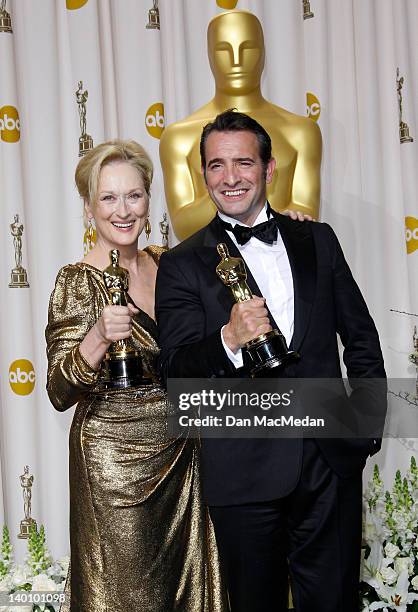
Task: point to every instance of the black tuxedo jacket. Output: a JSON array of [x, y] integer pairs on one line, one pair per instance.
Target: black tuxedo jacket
[[192, 305]]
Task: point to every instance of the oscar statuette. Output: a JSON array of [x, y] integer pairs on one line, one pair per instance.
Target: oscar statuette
[[267, 350], [85, 142], [5, 19], [307, 13], [164, 229], [19, 276], [404, 135], [122, 366], [153, 17], [26, 481]]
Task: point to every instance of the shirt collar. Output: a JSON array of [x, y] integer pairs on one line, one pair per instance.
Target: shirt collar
[[262, 216]]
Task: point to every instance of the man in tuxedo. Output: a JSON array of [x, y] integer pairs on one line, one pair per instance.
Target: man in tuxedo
[[279, 506]]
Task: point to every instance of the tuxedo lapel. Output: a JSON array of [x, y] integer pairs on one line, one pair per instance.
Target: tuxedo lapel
[[298, 240]]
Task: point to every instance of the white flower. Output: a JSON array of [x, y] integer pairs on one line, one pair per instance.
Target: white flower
[[20, 575], [64, 562], [42, 582], [394, 597], [6, 583], [388, 575], [414, 582], [391, 550], [403, 563]]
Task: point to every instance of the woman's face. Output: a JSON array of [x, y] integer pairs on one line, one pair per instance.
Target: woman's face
[[121, 206]]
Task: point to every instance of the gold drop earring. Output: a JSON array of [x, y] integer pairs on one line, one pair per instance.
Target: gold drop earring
[[90, 231], [147, 228]]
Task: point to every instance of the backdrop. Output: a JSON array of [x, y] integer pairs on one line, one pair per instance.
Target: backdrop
[[338, 65]]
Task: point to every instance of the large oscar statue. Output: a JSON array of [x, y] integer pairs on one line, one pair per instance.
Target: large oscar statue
[[122, 365], [236, 56], [268, 350]]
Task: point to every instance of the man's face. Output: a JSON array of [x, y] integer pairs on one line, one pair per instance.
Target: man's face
[[235, 177]]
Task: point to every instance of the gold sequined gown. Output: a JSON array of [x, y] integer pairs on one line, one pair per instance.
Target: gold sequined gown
[[141, 540]]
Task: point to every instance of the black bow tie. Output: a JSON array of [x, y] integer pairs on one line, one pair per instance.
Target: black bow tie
[[266, 232]]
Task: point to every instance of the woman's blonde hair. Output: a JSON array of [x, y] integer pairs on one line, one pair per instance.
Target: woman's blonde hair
[[88, 169]]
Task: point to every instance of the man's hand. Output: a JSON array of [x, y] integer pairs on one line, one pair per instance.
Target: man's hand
[[247, 321]]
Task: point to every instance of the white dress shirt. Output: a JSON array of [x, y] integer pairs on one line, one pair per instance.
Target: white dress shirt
[[270, 267]]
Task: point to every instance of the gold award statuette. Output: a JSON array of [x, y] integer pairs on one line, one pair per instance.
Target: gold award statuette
[[122, 366], [404, 135], [164, 229], [267, 350], [307, 13], [19, 277], [26, 481], [153, 17], [5, 19], [85, 142], [413, 358]]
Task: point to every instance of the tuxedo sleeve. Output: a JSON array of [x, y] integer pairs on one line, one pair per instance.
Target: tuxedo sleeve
[[362, 354], [187, 349]]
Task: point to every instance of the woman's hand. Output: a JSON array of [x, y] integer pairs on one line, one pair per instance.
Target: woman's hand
[[115, 323], [296, 215]]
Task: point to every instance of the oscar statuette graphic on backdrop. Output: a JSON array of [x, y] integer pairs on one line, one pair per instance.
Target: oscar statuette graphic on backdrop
[[5, 19], [19, 277], [26, 481], [403, 126], [307, 13], [85, 142], [153, 17], [164, 229]]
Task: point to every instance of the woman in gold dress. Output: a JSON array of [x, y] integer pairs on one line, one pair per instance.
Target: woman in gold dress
[[140, 537]]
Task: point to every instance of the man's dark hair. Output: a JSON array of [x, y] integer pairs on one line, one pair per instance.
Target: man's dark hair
[[234, 121]]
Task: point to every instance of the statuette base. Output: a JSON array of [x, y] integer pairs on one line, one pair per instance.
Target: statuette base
[[404, 133], [153, 20], [19, 278], [25, 528], [6, 24], [123, 371], [85, 144], [267, 351]]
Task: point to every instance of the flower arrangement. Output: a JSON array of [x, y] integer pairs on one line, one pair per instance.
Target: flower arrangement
[[389, 568], [39, 582]]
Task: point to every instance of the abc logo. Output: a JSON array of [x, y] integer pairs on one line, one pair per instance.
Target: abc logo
[[154, 119], [75, 4], [411, 234], [313, 107], [9, 124], [227, 4], [22, 376]]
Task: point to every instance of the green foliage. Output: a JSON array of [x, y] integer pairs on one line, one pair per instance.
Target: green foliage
[[6, 553], [39, 558]]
